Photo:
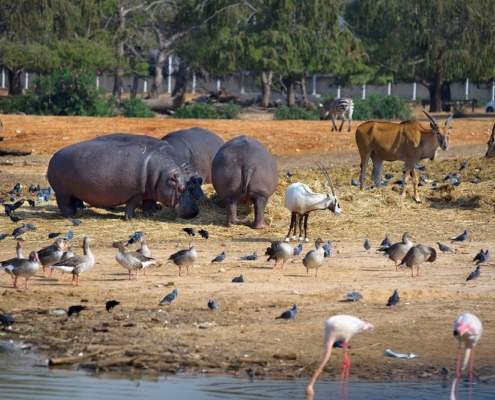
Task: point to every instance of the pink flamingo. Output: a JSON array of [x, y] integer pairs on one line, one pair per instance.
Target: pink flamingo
[[343, 328], [467, 330]]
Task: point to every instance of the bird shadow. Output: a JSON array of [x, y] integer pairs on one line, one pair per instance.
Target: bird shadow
[[261, 267], [371, 270], [295, 276], [241, 240], [347, 301]]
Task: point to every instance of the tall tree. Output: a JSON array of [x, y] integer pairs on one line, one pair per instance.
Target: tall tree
[[428, 42]]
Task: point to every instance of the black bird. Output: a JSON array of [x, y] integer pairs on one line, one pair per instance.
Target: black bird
[[443, 248], [34, 189], [75, 222], [12, 198], [53, 235], [6, 320], [31, 203], [475, 274], [15, 219], [19, 231], [367, 245], [461, 238], [3, 236], [19, 203], [394, 299], [75, 310], [7, 208], [204, 234], [289, 174], [464, 165], [448, 177], [479, 255], [388, 176], [109, 305], [189, 231], [239, 279]]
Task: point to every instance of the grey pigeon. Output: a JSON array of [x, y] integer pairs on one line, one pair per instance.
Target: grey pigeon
[[478, 256], [69, 235], [484, 258], [250, 257], [455, 180], [367, 245], [31, 227], [386, 247], [6, 320], [386, 241], [219, 258], [394, 299], [476, 180], [169, 298], [449, 176], [75, 222], [298, 249], [134, 238], [212, 304], [327, 245], [289, 174], [20, 231], [443, 248], [3, 236], [464, 165], [355, 182], [475, 274], [353, 296], [238, 279], [420, 167], [288, 315], [460, 238], [388, 176]]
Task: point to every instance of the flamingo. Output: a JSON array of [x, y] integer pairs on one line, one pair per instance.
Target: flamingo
[[343, 328], [467, 330]]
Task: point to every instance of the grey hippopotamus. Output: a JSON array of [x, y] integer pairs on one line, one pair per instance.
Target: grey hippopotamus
[[243, 171], [198, 146], [108, 173]]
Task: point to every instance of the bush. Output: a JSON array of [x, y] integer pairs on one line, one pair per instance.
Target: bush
[[376, 107], [230, 111], [136, 108], [201, 111], [296, 112]]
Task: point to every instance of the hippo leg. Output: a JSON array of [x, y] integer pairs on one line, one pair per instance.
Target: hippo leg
[[259, 212], [148, 207], [231, 205], [131, 206], [66, 203]]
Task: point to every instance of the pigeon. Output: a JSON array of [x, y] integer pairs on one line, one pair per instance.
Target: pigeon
[[75, 222], [111, 304], [327, 253], [367, 245], [31, 227], [423, 179], [250, 257], [289, 174], [463, 166], [399, 181], [298, 249], [219, 258], [68, 236], [420, 167], [386, 241], [3, 236], [476, 180], [353, 296], [31, 203], [394, 299], [19, 231], [189, 231], [134, 237], [388, 176], [327, 245], [483, 259], [460, 238], [169, 298], [475, 274], [478, 256], [386, 247], [14, 218], [449, 176], [212, 304], [355, 182], [34, 189], [6, 320], [455, 180], [204, 234], [288, 315], [75, 310], [443, 248], [53, 235], [238, 279]]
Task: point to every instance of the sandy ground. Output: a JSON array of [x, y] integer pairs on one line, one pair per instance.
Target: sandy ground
[[242, 336]]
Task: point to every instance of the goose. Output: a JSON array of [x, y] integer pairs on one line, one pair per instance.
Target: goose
[[18, 250], [279, 251], [78, 264], [314, 258], [51, 254], [67, 254], [416, 256], [131, 260], [184, 258], [144, 250], [22, 268], [398, 251]]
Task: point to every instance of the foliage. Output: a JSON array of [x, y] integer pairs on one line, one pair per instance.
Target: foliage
[[296, 112], [230, 111], [196, 111], [385, 107], [135, 108]]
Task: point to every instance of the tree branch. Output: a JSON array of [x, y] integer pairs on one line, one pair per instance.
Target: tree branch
[[397, 71]]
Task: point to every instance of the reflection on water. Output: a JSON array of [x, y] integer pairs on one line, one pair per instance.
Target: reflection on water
[[24, 377]]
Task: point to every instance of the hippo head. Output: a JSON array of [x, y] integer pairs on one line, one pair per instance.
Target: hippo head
[[173, 192]]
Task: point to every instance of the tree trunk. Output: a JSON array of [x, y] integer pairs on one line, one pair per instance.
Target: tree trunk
[[119, 72], [158, 64], [266, 86], [166, 103], [181, 79], [303, 91], [445, 95], [434, 89], [291, 86], [135, 85], [15, 86]]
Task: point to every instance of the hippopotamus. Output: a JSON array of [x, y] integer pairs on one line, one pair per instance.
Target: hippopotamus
[[195, 181], [198, 146], [108, 173], [244, 171]]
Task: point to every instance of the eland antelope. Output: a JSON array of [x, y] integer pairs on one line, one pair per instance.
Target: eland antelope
[[406, 141], [301, 200]]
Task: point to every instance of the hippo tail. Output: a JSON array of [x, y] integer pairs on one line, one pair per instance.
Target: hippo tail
[[247, 174]]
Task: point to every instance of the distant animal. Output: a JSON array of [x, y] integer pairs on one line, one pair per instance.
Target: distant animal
[[483, 258], [250, 257], [416, 256], [6, 320], [189, 231], [420, 167], [461, 238], [31, 227], [288, 315], [394, 299], [407, 141], [53, 235], [279, 251], [21, 268], [298, 249], [238, 279], [31, 203], [389, 176], [184, 258], [69, 235], [354, 182], [3, 236], [219, 258], [338, 107], [343, 328], [75, 222], [367, 245], [212, 304], [448, 176], [443, 248], [244, 171], [490, 152], [111, 304], [169, 298], [289, 174], [398, 251], [475, 274], [386, 241], [204, 234], [463, 166], [132, 260], [314, 258], [353, 296], [14, 219], [21, 230], [467, 331], [75, 310], [300, 200]]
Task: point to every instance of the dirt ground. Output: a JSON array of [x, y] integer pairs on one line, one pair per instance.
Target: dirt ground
[[242, 336]]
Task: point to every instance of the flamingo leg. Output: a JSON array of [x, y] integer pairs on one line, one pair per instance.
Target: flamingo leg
[[326, 356], [344, 378], [471, 362], [458, 362]]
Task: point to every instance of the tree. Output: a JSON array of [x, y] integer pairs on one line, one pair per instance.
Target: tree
[[428, 42]]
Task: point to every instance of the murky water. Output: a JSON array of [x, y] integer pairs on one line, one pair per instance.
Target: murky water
[[25, 377]]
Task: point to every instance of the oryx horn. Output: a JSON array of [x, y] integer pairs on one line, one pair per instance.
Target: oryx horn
[[324, 171]]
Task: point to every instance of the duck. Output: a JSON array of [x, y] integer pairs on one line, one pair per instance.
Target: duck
[[398, 251], [51, 254], [22, 268], [131, 260], [279, 251], [314, 258], [184, 258], [416, 256], [78, 264]]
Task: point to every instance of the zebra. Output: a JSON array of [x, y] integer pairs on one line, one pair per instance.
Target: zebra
[[336, 107]]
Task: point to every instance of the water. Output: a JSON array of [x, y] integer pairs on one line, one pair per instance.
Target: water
[[25, 377]]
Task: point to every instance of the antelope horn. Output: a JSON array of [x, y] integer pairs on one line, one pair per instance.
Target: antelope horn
[[447, 123], [329, 180], [433, 120]]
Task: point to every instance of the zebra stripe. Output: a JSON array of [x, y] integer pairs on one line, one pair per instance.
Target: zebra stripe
[[335, 107]]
